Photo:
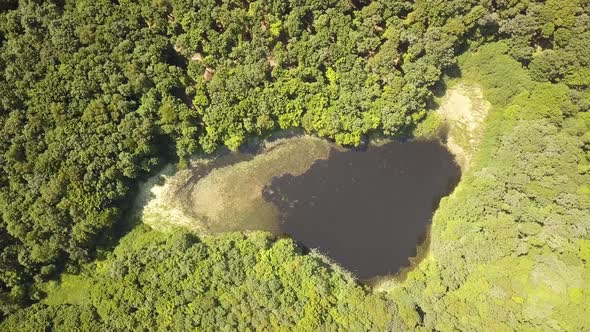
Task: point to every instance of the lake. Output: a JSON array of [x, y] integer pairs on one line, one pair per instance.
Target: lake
[[366, 210]]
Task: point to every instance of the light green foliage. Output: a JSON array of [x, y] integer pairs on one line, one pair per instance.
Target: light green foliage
[[508, 246], [71, 289], [240, 282], [545, 101], [490, 66], [430, 127], [561, 13]]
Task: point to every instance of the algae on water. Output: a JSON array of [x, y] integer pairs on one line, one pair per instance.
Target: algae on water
[[227, 198]]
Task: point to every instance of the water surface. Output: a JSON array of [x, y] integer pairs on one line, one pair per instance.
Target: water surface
[[366, 210], [223, 192]]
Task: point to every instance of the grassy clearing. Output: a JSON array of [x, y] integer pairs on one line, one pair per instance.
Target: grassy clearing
[[72, 289], [463, 111]]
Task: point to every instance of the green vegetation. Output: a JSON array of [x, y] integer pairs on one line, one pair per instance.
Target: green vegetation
[[95, 94], [508, 247], [156, 281]]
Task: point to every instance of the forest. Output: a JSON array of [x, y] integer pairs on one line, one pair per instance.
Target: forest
[[95, 96]]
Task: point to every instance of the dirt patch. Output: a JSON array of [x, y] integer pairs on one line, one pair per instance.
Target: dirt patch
[[463, 110], [224, 193]]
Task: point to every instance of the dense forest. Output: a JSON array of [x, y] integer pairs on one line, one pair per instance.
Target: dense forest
[[95, 95]]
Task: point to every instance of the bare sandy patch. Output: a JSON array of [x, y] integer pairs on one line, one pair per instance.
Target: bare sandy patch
[[463, 110]]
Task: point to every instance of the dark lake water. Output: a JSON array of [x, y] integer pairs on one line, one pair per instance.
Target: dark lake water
[[366, 210]]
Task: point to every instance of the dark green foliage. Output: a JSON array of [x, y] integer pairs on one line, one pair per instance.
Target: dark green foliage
[[317, 65], [551, 38], [80, 91]]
